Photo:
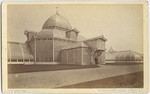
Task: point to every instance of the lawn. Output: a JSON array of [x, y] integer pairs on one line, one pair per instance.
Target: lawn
[[20, 68], [133, 80]]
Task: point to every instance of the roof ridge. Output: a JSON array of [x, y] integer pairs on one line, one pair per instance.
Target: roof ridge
[[76, 45], [15, 42]]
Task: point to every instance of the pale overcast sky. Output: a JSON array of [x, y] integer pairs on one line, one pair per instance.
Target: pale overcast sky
[[121, 25]]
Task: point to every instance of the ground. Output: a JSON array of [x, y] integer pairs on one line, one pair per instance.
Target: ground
[[133, 80], [103, 76]]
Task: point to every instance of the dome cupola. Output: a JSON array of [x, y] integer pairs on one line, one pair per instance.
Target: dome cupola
[[57, 21]]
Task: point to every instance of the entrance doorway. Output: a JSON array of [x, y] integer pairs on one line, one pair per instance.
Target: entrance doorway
[[96, 60], [96, 56]]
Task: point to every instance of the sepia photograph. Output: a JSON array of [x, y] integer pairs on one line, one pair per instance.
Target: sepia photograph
[[78, 46]]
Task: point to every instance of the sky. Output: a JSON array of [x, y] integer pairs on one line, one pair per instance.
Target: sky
[[120, 24]]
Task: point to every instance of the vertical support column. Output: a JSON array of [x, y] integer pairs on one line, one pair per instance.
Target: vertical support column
[[8, 45], [92, 56], [10, 61], [104, 56], [73, 56], [22, 52], [35, 49], [67, 56], [82, 55], [53, 50]]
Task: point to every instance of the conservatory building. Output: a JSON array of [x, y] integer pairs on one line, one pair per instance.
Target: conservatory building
[[57, 43], [127, 56]]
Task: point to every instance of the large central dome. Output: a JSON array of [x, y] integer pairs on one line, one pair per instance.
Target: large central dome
[[57, 21]]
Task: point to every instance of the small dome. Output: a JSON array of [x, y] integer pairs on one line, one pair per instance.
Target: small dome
[[57, 20]]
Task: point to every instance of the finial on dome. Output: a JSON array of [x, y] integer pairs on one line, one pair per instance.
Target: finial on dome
[[57, 10]]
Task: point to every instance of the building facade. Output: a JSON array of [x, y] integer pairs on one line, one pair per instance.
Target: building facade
[[57, 43]]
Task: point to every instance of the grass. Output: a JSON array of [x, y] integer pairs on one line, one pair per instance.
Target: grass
[[20, 68], [134, 80]]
